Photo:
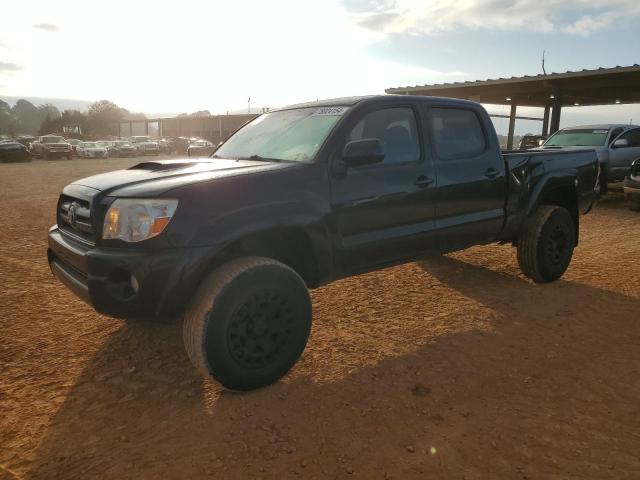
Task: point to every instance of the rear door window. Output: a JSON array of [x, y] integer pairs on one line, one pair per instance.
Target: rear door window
[[457, 133]]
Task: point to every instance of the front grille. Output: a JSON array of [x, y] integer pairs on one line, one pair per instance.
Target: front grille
[[74, 218]]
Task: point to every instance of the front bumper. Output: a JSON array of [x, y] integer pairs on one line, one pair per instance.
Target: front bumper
[[101, 277], [56, 153], [96, 154]]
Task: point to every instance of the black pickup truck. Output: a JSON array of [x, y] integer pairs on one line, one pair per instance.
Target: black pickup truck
[[298, 198]]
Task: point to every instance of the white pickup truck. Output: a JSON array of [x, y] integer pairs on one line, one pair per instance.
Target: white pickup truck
[[51, 146]]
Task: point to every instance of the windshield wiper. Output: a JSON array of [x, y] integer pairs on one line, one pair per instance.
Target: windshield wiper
[[259, 158]]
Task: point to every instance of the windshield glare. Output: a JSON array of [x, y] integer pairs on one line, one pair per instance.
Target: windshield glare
[[579, 138], [52, 139], [291, 135]]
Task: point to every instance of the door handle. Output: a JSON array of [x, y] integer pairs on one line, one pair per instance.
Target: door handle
[[491, 173], [423, 181]]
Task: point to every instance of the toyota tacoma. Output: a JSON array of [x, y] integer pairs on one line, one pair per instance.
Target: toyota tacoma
[[51, 146], [300, 197]]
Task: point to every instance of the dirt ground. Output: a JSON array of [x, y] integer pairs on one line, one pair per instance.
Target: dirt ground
[[451, 368]]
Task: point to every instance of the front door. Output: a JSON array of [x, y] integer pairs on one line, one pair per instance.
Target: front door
[[384, 212], [620, 158]]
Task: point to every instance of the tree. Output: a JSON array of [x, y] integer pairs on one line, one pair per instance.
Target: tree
[[104, 116], [5, 117], [27, 117], [47, 126], [66, 119]]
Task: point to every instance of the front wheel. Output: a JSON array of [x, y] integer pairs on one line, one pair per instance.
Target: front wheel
[[248, 323], [546, 243]]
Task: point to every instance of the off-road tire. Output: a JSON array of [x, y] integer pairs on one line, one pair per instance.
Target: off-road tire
[[248, 322], [634, 205], [546, 243]]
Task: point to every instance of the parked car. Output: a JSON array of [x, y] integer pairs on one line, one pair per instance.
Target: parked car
[[200, 148], [122, 148], [531, 141], [51, 146], [104, 143], [92, 150], [615, 156], [74, 142], [13, 151], [631, 186], [300, 197], [144, 145], [166, 145], [26, 140]]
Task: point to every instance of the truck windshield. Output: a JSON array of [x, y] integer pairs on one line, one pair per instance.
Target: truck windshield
[[290, 135], [52, 139], [579, 138]]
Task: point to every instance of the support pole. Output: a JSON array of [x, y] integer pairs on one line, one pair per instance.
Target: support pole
[[555, 114], [512, 125], [545, 120]]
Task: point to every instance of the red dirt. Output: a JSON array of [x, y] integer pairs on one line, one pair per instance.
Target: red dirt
[[456, 367]]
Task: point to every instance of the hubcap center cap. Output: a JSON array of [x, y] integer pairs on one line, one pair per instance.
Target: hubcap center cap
[[257, 327]]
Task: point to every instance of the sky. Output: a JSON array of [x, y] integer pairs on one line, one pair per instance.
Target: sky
[[194, 55]]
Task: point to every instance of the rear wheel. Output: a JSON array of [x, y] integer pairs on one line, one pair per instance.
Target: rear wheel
[[546, 243], [248, 322]]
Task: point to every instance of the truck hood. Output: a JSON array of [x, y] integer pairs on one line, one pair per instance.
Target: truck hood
[[156, 177], [570, 147], [602, 151]]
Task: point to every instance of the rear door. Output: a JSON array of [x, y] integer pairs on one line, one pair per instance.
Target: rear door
[[471, 189], [620, 158], [384, 212]]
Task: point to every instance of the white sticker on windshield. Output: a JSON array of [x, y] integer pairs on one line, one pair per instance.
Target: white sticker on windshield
[[600, 131], [332, 111]]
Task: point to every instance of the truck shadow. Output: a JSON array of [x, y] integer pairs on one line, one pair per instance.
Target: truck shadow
[[613, 200], [460, 393]]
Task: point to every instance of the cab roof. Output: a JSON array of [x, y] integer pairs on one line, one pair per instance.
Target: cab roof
[[602, 126], [350, 101]]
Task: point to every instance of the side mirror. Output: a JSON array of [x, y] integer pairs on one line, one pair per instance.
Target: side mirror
[[621, 143], [362, 152]]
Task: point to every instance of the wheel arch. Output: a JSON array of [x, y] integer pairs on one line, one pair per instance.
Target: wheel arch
[[560, 191], [294, 245]]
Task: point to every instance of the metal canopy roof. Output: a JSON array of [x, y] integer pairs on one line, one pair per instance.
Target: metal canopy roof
[[603, 86]]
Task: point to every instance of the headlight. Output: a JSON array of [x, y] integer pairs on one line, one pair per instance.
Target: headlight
[[134, 220]]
